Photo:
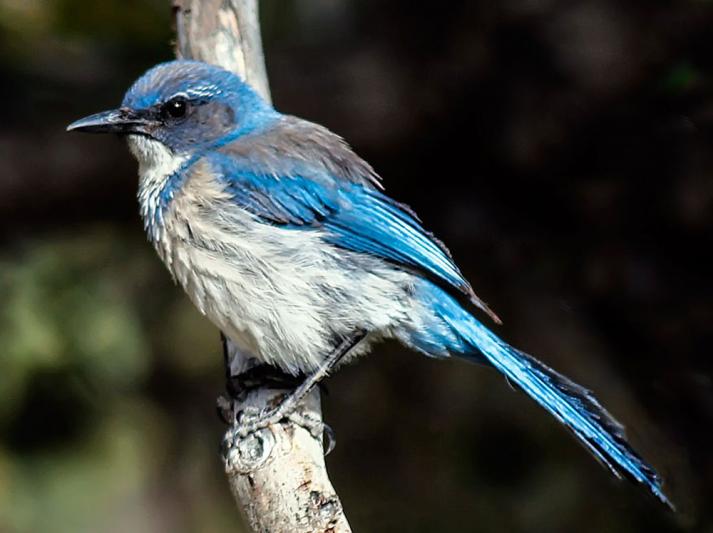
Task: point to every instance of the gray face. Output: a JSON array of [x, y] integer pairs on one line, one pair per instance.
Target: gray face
[[184, 105], [182, 124]]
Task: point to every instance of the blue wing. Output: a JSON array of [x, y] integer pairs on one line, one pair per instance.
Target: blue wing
[[355, 215]]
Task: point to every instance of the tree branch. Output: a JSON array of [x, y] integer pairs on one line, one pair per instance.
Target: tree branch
[[277, 475]]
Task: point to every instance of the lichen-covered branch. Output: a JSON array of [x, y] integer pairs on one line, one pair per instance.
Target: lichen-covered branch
[[277, 475]]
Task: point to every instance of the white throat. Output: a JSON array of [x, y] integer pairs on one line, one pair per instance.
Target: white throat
[[156, 164]]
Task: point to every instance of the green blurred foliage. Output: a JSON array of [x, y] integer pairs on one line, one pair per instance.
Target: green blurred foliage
[[78, 344], [57, 291]]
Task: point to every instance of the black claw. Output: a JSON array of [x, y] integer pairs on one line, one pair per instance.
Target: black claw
[[234, 388], [225, 410], [226, 355], [330, 439]]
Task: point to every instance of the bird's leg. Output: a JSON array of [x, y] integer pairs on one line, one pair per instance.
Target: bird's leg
[[238, 386], [261, 376], [256, 377], [252, 422]]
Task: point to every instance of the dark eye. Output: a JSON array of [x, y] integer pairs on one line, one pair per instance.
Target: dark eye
[[175, 108]]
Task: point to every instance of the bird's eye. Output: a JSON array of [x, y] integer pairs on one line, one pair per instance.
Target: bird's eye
[[175, 108]]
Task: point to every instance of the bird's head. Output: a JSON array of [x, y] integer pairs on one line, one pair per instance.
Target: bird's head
[[183, 106]]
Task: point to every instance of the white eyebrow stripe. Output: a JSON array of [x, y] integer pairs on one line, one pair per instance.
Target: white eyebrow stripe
[[199, 92]]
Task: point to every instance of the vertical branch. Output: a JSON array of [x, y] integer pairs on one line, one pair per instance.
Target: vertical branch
[[277, 475], [225, 33]]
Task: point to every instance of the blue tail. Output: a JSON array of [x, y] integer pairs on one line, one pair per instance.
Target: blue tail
[[570, 403]]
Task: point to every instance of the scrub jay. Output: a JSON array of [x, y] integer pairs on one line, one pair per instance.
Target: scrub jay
[[284, 238]]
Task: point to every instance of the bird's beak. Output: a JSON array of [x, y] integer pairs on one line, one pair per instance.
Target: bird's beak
[[120, 120]]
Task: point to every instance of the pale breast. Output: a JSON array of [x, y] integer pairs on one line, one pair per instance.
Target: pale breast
[[281, 294], [256, 282]]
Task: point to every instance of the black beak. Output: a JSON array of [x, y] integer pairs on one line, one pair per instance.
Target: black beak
[[120, 120]]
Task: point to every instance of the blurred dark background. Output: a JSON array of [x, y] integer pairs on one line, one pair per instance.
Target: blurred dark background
[[561, 148]]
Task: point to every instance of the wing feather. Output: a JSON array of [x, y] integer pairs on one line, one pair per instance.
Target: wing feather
[[336, 190]]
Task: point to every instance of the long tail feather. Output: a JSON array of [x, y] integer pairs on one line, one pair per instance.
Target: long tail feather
[[570, 403]]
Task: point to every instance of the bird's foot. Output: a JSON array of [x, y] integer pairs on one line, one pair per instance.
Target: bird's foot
[[250, 420]]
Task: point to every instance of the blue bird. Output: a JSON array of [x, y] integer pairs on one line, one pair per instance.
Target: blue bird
[[283, 237]]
